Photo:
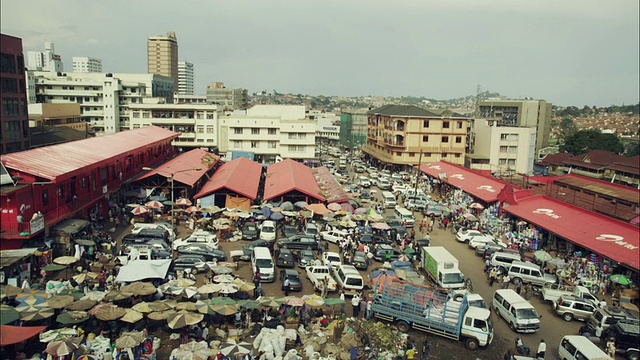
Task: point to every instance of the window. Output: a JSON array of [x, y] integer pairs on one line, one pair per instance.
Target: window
[[444, 154], [83, 183], [504, 136], [458, 139], [445, 124], [255, 131], [425, 123], [445, 139], [427, 154], [425, 138], [209, 116], [145, 115], [503, 149], [45, 198], [10, 107], [7, 64], [412, 154], [502, 161], [237, 144], [511, 162], [513, 149], [254, 144], [136, 115], [297, 148], [272, 131], [8, 85], [199, 115], [272, 144], [237, 131], [459, 123], [60, 192], [210, 129], [200, 129]]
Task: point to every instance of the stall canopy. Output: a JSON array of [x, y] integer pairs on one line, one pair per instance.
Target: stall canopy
[[15, 334], [289, 175], [144, 269], [70, 226], [182, 166], [610, 238], [241, 176], [10, 257], [329, 186], [480, 186]]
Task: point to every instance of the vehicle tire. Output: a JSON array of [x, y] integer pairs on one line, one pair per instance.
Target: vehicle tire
[[403, 326], [633, 355], [567, 316], [512, 326], [471, 344]]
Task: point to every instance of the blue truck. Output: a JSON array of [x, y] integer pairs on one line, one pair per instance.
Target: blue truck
[[431, 310]]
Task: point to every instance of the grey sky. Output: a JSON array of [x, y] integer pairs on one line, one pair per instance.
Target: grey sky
[[569, 52]]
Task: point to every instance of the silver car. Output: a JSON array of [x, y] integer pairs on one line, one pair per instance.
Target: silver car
[[571, 307]]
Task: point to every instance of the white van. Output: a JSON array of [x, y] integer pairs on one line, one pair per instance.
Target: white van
[[404, 215], [388, 199], [504, 259], [261, 259], [348, 279], [516, 311], [578, 347], [268, 230]]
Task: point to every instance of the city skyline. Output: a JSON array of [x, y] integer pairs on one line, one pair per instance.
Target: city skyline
[[569, 53]]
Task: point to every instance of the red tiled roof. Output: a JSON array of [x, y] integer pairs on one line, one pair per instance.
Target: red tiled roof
[[554, 159], [182, 167], [628, 165], [597, 159], [60, 162], [483, 187], [604, 188], [240, 175], [611, 238], [289, 175], [330, 187]]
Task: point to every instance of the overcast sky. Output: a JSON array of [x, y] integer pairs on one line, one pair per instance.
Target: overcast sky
[[569, 52]]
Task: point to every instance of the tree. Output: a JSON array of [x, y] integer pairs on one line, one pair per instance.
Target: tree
[[567, 128], [591, 139], [632, 149]]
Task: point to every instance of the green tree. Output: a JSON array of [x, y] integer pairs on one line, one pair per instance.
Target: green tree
[[632, 149], [591, 139], [567, 128]]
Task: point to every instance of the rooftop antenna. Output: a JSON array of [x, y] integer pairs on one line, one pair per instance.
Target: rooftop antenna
[[477, 109]]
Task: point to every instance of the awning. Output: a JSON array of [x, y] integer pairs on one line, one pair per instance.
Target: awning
[[70, 226], [144, 269], [611, 238], [10, 257], [14, 334], [183, 167], [482, 187]]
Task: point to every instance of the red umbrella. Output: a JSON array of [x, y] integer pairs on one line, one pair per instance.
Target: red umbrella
[[191, 209], [183, 202], [154, 204], [139, 210], [476, 206]]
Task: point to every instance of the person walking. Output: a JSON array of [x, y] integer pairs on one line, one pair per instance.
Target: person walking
[[542, 348], [286, 286], [492, 276], [426, 349], [505, 281], [363, 306], [342, 303], [368, 309], [611, 348], [518, 284], [355, 302]]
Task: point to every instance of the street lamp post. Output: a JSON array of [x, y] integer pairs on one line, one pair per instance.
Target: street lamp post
[[415, 190], [170, 178]]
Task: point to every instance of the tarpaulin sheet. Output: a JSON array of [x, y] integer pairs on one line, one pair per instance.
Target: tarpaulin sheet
[[144, 269], [238, 202], [15, 334]]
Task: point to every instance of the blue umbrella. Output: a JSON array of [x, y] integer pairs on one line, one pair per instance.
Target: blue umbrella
[[276, 216], [376, 273], [266, 211]]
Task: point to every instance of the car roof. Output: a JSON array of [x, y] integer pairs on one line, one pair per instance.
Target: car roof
[[291, 272]]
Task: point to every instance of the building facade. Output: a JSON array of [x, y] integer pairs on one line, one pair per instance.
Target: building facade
[[162, 56], [185, 78], [189, 99], [405, 135], [527, 113], [196, 123], [87, 64], [353, 128], [502, 149], [229, 99], [14, 117], [269, 132], [46, 60], [103, 98], [328, 130]]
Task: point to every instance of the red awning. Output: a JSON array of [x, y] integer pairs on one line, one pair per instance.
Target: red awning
[[482, 187], [330, 187], [182, 167], [241, 176], [15, 334], [608, 237], [289, 175], [59, 162]]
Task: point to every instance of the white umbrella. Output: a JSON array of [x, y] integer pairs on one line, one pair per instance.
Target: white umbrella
[[231, 348], [223, 278], [228, 288], [183, 202]]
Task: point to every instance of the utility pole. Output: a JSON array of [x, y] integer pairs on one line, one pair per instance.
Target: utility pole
[[477, 107], [415, 189]]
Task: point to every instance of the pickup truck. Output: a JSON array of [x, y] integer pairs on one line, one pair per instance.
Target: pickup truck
[[551, 292], [317, 273]]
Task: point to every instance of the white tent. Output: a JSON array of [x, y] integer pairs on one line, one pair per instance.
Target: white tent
[[144, 269]]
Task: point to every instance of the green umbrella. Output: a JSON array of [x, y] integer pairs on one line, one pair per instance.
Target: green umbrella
[[222, 300], [409, 251], [542, 255], [167, 202], [8, 314], [619, 279], [249, 304], [72, 317], [333, 301], [53, 267]]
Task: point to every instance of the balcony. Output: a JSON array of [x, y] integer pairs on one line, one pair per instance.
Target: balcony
[[395, 144], [24, 229]]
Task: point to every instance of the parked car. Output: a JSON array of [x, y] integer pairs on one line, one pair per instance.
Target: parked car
[[311, 229], [570, 307], [424, 241], [193, 263], [289, 231], [204, 250], [298, 242], [199, 237], [364, 182], [127, 244], [360, 260], [435, 209], [331, 257], [268, 230], [465, 235], [333, 236], [248, 248], [250, 231], [381, 251], [304, 257], [627, 339], [480, 241], [295, 284], [285, 258], [493, 247], [374, 239], [415, 204], [396, 177]]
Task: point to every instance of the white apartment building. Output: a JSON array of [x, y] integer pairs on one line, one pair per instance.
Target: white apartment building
[[196, 123], [186, 77], [269, 131], [103, 98], [86, 64], [190, 99], [326, 129], [502, 149], [46, 60]]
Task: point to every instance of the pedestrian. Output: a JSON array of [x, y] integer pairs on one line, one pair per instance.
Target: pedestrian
[[426, 349], [431, 223], [542, 348], [114, 247], [505, 281], [487, 265], [355, 302], [363, 306], [611, 348], [342, 303], [286, 285], [508, 355], [518, 284], [492, 276], [368, 309], [410, 353], [325, 287]]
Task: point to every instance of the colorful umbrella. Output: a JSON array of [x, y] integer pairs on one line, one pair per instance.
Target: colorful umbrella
[[231, 348], [183, 202], [8, 314], [222, 300], [334, 207], [63, 347], [72, 317], [131, 316], [117, 295], [189, 306], [31, 300], [57, 334], [476, 205], [81, 304], [313, 300], [129, 339], [270, 301], [160, 306], [224, 278], [380, 226], [348, 208], [40, 314], [248, 304], [225, 309], [154, 204], [80, 278], [53, 267], [619, 279], [205, 307], [139, 288], [140, 210], [295, 301], [228, 288], [183, 318], [60, 301], [191, 209], [470, 217]]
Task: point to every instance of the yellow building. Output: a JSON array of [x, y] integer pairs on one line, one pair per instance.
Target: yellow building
[[397, 134], [162, 56]]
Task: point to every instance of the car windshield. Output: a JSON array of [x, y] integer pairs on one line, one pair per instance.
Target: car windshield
[[455, 278], [267, 229], [264, 263], [478, 304], [312, 231], [250, 227], [526, 314], [333, 258]]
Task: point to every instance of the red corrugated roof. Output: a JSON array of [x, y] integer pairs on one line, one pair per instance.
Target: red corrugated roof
[[289, 175], [329, 186], [181, 166], [59, 162], [611, 238], [241, 176], [483, 187]]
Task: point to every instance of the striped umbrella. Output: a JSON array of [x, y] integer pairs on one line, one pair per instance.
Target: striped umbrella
[[140, 210], [31, 300], [183, 202], [183, 318], [63, 347], [39, 314], [154, 204], [191, 209]]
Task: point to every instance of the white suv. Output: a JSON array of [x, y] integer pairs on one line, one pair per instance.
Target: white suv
[[268, 230]]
